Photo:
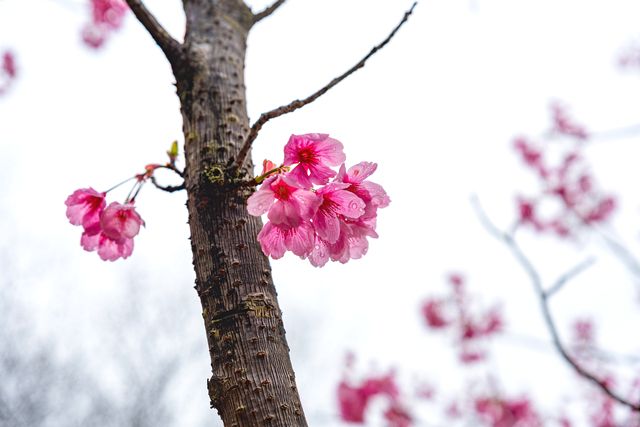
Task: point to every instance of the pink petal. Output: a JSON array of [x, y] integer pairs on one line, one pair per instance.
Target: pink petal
[[378, 196], [320, 254], [260, 201], [300, 240], [89, 242], [330, 151], [348, 203], [361, 171], [272, 241], [307, 203], [111, 250], [327, 226], [320, 174], [300, 176]]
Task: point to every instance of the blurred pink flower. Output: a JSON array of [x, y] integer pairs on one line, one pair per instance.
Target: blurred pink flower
[[84, 207]]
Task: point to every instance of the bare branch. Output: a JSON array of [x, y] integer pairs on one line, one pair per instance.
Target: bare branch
[[168, 44], [265, 117], [268, 11], [528, 266]]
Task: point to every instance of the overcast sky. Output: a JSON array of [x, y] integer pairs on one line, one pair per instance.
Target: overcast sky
[[436, 109]]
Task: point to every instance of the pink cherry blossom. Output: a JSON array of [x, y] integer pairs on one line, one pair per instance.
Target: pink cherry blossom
[[120, 222], [8, 71], [93, 36], [337, 203], [285, 202], [313, 153], [108, 12], [9, 64], [507, 413], [373, 194], [276, 239], [397, 416], [84, 207], [106, 16], [432, 311], [108, 249]]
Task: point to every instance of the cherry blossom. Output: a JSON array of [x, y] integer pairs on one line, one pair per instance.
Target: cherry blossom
[[84, 207], [120, 222], [313, 153], [8, 71], [330, 222], [106, 16], [285, 202]]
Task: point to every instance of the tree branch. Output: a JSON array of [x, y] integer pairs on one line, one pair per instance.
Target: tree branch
[[543, 296], [268, 11], [562, 280], [168, 44], [167, 188], [265, 117]]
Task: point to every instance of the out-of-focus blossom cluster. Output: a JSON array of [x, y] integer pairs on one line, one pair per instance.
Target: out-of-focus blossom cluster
[[314, 211], [8, 71], [454, 313], [566, 186], [629, 58], [602, 409], [106, 17], [498, 412], [354, 399]]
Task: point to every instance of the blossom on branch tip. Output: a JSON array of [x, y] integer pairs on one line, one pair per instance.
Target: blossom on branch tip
[[332, 221]]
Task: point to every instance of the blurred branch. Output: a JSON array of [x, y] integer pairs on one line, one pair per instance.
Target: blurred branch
[[508, 240], [562, 280], [294, 105], [268, 11]]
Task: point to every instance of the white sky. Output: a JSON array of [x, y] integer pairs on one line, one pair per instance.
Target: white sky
[[437, 109]]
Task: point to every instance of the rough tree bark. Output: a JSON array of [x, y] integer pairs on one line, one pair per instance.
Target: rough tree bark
[[253, 383]]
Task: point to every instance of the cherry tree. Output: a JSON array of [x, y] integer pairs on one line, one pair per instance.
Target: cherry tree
[[322, 207]]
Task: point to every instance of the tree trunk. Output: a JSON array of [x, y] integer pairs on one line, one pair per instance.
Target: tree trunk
[[253, 383]]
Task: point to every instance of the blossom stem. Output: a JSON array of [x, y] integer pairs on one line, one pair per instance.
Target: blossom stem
[[121, 183]]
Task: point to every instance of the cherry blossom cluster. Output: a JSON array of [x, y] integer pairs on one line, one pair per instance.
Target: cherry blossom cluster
[[454, 313], [329, 221], [567, 185], [109, 229], [354, 400], [602, 409], [106, 17], [8, 71]]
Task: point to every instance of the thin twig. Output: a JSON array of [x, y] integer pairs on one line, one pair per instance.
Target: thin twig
[[265, 117], [562, 280], [528, 266], [168, 44], [268, 11], [167, 188]]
